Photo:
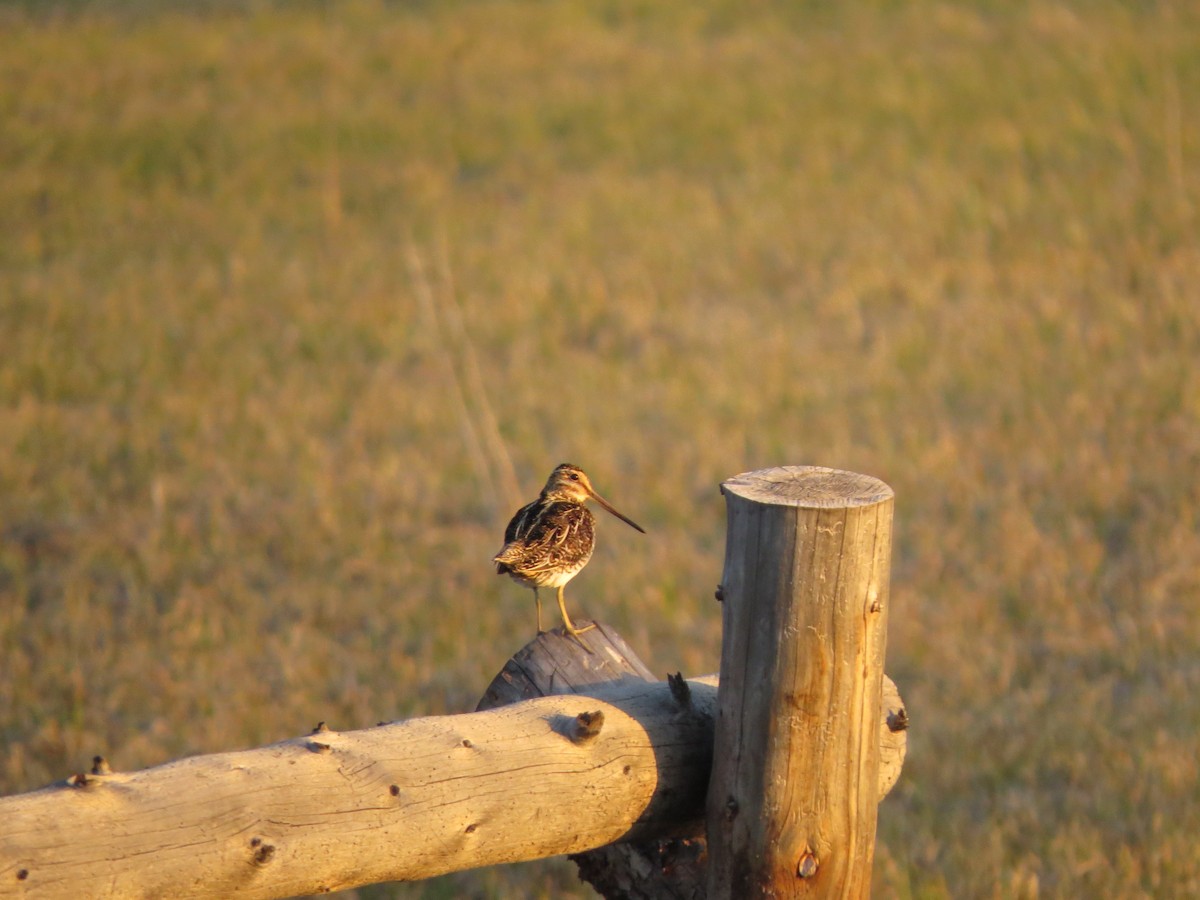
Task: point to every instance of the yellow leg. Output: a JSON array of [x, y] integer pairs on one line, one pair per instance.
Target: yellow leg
[[570, 626], [538, 601]]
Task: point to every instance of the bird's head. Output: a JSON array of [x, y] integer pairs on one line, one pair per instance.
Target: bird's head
[[570, 483]]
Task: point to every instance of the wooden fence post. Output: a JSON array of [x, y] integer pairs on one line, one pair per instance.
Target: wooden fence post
[[792, 801]]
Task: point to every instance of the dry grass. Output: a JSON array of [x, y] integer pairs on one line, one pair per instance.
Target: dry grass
[[247, 480]]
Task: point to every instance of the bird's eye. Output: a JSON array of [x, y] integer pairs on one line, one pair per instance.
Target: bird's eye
[[574, 476]]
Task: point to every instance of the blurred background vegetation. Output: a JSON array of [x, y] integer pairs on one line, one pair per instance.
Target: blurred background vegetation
[[287, 288]]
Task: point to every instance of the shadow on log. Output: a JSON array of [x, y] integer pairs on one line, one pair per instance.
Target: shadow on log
[[670, 866]]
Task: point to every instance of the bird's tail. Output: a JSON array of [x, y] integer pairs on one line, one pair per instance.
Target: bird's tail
[[503, 558]]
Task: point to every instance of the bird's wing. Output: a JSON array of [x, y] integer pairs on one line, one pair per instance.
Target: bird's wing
[[519, 523], [555, 533]]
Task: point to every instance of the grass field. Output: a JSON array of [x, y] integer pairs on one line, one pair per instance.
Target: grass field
[[269, 273]]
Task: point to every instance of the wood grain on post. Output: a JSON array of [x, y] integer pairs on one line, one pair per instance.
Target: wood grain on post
[[795, 786], [669, 861]]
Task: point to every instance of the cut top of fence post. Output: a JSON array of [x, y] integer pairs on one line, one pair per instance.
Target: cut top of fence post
[[808, 487]]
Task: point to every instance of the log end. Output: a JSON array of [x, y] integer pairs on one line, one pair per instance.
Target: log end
[[808, 487]]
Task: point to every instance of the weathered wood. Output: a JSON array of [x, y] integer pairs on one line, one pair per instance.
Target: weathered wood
[[659, 867], [404, 801], [893, 737], [553, 664], [795, 786], [334, 810], [672, 867]]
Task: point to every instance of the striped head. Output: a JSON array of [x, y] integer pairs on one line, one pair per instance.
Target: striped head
[[570, 484]]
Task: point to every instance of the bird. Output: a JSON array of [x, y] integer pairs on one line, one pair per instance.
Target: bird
[[549, 541]]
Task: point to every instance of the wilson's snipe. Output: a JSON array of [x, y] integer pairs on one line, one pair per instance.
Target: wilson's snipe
[[550, 540]]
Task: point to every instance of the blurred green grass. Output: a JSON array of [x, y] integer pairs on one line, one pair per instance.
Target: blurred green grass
[[951, 245]]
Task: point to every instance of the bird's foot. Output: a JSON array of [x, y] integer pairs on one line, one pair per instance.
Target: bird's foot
[[570, 629]]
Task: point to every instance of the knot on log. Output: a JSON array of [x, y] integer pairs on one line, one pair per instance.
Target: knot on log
[[587, 725], [680, 690], [263, 852], [808, 865]]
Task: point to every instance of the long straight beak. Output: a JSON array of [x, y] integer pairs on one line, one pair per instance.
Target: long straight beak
[[608, 506]]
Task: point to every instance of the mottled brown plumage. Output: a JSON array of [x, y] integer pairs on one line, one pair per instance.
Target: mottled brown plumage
[[551, 539]]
